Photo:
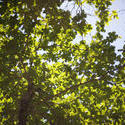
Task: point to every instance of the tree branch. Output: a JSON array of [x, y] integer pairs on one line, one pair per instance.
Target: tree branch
[[67, 89]]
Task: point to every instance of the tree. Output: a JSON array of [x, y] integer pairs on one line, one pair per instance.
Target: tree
[[46, 78]]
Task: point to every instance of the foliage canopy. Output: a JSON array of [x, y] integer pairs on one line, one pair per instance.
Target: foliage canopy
[[48, 77]]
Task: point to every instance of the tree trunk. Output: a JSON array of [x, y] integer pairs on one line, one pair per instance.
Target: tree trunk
[[25, 103]]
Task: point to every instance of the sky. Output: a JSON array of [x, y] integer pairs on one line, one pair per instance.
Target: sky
[[117, 25]]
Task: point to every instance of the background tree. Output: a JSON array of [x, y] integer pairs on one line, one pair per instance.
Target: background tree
[[46, 78]]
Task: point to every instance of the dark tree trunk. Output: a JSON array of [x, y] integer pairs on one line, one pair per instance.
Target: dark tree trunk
[[25, 104], [23, 112]]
